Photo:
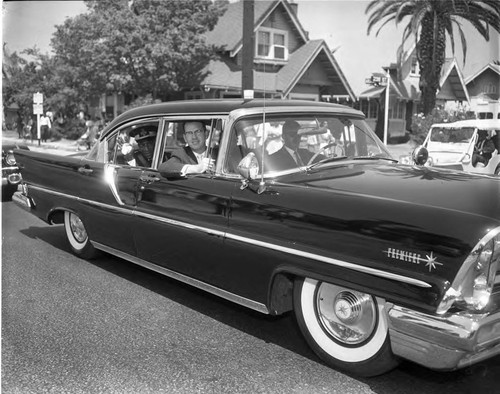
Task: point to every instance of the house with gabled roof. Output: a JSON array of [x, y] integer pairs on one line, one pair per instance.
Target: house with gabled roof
[[286, 63], [484, 91], [404, 92]]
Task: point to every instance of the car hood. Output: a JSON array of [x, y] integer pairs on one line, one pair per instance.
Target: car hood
[[451, 190]]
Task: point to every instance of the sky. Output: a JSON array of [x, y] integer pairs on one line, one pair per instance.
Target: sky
[[341, 23]]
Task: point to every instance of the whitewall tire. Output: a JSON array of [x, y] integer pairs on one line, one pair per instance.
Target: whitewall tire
[[346, 328], [77, 236]]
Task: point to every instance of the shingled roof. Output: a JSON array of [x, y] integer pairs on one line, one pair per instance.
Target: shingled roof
[[228, 34]]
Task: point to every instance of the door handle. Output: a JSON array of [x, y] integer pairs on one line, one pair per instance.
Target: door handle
[[149, 178], [85, 170]]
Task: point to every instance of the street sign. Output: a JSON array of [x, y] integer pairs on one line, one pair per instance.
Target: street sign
[[37, 98], [38, 109], [375, 80]]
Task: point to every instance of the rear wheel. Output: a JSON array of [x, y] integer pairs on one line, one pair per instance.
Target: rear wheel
[[77, 236], [345, 328], [497, 170]]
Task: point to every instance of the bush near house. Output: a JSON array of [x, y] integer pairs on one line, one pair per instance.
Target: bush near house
[[421, 124]]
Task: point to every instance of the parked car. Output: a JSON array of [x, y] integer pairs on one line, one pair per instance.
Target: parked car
[[11, 177], [379, 261], [451, 145]]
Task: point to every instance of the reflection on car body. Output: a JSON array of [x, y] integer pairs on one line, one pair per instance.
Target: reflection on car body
[[379, 261]]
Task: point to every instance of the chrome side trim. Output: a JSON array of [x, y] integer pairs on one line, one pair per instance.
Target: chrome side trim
[[180, 224], [328, 260], [257, 306], [251, 241], [110, 178], [83, 200]]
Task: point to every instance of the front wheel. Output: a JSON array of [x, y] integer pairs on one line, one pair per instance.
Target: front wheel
[[77, 236], [346, 328]]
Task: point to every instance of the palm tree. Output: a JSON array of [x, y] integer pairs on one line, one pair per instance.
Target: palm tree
[[429, 21]]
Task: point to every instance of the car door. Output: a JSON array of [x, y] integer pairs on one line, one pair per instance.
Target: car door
[[113, 221], [180, 223]]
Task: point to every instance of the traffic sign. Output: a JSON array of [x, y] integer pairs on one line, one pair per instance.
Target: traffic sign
[[38, 109], [37, 98]]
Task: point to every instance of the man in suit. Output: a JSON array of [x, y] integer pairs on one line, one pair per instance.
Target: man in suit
[[190, 159], [290, 155], [484, 148]]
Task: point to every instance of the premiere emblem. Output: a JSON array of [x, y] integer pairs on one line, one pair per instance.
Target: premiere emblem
[[430, 260]]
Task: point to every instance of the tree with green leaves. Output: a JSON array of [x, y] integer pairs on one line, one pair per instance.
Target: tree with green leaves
[[429, 21], [143, 47]]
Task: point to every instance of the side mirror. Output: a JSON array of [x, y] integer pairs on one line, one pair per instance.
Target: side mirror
[[420, 155], [248, 167]]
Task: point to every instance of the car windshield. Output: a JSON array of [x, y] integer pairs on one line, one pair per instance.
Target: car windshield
[[294, 142], [451, 135]]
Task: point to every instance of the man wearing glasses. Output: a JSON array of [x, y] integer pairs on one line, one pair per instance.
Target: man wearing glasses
[[192, 158]]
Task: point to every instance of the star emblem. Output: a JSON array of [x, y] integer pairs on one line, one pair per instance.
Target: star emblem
[[431, 262]]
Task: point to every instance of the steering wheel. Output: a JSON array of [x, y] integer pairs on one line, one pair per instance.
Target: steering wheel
[[338, 150]]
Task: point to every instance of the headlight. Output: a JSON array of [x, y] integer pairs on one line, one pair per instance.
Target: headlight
[[10, 159], [474, 282]]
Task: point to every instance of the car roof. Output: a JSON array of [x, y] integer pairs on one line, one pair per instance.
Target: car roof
[[218, 106], [484, 124]]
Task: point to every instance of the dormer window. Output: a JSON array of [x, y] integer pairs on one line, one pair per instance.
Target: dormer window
[[272, 44], [414, 70]]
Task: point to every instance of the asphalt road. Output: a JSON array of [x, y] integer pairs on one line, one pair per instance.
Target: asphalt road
[[107, 326]]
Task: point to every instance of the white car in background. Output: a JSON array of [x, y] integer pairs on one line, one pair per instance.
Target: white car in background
[[451, 145]]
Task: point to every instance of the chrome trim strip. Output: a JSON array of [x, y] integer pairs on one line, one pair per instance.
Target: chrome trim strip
[[83, 200], [328, 260], [296, 252], [180, 224], [257, 306], [110, 178]]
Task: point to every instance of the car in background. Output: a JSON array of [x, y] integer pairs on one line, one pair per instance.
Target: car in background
[[451, 145], [11, 177], [378, 261]]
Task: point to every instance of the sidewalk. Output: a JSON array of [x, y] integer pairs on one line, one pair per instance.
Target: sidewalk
[[62, 147]]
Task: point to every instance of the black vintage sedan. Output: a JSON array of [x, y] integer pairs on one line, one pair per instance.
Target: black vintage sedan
[[379, 261]]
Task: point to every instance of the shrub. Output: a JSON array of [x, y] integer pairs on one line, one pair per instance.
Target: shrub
[[421, 124]]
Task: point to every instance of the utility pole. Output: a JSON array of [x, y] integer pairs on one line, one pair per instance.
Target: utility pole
[[248, 49]]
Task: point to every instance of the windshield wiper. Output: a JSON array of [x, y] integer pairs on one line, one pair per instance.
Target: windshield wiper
[[327, 160], [374, 158]]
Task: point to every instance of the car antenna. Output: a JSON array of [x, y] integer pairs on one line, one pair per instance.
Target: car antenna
[[262, 184]]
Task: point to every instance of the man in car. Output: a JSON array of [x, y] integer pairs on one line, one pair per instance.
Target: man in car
[[143, 155], [290, 155], [192, 158], [483, 149]]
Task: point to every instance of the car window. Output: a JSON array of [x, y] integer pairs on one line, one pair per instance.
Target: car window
[[316, 137], [175, 136], [134, 144]]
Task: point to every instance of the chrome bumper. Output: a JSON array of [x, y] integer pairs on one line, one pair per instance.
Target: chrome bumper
[[23, 201], [444, 342]]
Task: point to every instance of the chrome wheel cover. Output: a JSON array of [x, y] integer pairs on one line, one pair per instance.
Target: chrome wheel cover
[[348, 316], [77, 228]]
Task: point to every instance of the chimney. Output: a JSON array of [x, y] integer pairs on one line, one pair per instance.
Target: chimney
[[294, 7]]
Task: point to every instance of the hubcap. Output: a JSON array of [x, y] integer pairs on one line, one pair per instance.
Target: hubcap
[[77, 228], [348, 316]]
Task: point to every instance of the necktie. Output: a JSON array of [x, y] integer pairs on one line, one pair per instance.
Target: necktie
[[298, 160]]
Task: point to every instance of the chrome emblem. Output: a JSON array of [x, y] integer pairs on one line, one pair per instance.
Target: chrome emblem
[[430, 260]]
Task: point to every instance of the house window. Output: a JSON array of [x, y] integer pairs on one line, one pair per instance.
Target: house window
[[489, 88], [272, 44], [485, 115], [414, 69], [369, 108]]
